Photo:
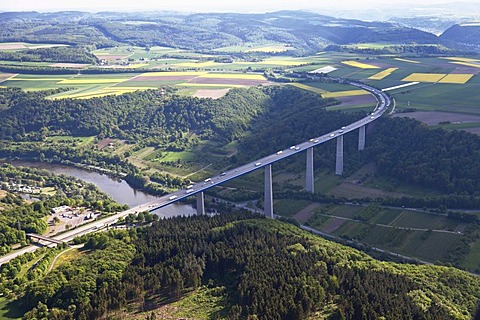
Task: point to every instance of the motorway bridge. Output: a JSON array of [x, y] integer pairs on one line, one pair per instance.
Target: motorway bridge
[[265, 163], [198, 189]]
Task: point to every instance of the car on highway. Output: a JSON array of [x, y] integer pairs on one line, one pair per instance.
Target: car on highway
[[372, 117], [332, 135], [257, 164], [292, 148], [341, 131], [297, 148], [189, 191], [313, 140], [172, 197], [222, 174], [208, 179]]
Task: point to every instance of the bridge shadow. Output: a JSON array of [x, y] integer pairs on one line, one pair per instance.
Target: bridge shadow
[[11, 309]]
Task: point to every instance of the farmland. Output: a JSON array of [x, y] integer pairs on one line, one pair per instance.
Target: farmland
[[412, 233], [203, 75]]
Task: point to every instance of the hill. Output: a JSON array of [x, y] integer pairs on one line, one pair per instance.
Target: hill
[[463, 36], [306, 32], [246, 267]]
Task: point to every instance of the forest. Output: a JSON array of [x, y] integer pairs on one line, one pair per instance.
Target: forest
[[305, 32], [56, 54], [174, 257], [411, 152], [144, 115]]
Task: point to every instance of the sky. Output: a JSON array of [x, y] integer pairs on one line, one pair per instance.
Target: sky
[[211, 5]]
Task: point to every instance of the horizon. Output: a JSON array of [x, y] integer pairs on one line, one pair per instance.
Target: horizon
[[341, 8]]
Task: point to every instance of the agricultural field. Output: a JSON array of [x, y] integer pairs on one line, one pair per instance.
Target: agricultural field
[[196, 74], [255, 47], [15, 46], [89, 86], [418, 234]]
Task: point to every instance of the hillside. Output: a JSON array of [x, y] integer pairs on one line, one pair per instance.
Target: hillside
[[464, 36], [306, 32], [235, 261]]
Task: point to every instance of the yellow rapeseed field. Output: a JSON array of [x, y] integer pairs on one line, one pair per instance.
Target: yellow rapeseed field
[[101, 92], [246, 76], [309, 88], [406, 60], [424, 77], [347, 93], [382, 74], [462, 59], [360, 65], [91, 81], [468, 64], [456, 78]]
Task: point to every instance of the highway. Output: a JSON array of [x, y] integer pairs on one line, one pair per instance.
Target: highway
[[383, 102]]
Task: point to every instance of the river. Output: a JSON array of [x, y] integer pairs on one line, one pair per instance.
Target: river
[[119, 190]]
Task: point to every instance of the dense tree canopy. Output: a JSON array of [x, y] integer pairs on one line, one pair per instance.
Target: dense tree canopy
[[271, 270]]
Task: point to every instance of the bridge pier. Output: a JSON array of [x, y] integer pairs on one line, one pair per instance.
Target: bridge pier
[[339, 161], [200, 203], [309, 183], [361, 138], [268, 195]]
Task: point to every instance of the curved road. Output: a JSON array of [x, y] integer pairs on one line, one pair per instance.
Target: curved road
[[383, 102]]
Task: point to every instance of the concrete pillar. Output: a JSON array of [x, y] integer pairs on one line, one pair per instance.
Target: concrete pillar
[[339, 162], [309, 183], [361, 138], [200, 204], [268, 203]]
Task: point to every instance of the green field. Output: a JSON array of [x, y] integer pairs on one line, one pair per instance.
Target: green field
[[289, 207]]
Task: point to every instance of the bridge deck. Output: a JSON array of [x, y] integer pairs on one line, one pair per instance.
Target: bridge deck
[[39, 237]]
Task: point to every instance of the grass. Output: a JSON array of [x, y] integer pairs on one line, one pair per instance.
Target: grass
[[308, 88], [143, 153], [175, 156], [345, 211], [324, 182], [472, 260], [411, 219], [347, 93], [81, 142], [289, 207], [67, 256], [203, 303]]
